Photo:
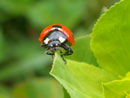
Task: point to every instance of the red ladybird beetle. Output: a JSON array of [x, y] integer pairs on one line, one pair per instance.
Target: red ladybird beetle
[[55, 37]]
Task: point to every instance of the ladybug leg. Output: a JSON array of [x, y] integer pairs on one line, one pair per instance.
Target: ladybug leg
[[49, 53], [63, 58], [43, 45], [69, 51]]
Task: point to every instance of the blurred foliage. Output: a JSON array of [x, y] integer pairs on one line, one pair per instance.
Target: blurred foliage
[[21, 21], [1, 45], [67, 12], [38, 88]]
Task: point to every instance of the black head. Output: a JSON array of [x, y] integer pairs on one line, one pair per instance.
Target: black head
[[54, 45]]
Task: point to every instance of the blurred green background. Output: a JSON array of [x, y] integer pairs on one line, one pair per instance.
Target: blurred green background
[[24, 68]]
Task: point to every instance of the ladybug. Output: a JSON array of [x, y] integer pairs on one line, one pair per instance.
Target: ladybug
[[55, 37]]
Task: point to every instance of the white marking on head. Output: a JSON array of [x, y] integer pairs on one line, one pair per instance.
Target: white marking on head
[[46, 40], [61, 39]]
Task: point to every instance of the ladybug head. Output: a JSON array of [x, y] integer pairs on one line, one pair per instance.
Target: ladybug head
[[54, 45]]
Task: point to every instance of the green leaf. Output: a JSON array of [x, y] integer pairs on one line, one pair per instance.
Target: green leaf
[[66, 94], [38, 88], [127, 76], [111, 39], [80, 79], [118, 88], [82, 51]]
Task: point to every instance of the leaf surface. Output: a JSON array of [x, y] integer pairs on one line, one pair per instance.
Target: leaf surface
[[80, 79], [111, 39], [118, 88]]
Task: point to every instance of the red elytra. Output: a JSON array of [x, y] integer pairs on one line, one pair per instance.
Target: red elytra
[[63, 29]]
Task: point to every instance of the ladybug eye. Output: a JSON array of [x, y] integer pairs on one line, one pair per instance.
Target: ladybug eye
[[46, 40], [61, 39]]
